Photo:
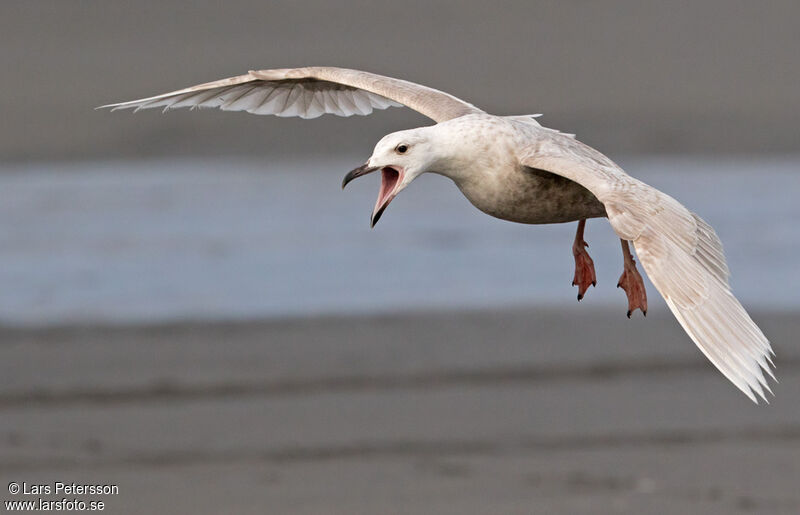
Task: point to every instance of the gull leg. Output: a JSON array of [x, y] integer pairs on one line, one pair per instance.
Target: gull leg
[[632, 283], [584, 266]]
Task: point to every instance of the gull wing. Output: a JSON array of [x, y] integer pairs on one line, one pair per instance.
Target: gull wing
[[308, 93], [680, 252]]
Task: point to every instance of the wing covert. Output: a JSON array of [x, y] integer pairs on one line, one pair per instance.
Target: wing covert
[[308, 93], [680, 252]]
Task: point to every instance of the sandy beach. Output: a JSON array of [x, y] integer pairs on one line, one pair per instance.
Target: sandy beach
[[516, 411]]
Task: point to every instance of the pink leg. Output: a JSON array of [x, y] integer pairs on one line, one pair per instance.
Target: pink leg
[[632, 283], [584, 266]]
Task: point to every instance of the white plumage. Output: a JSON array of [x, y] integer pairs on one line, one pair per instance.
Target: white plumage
[[509, 167], [681, 254]]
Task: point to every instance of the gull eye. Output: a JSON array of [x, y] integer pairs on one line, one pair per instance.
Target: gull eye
[[401, 148]]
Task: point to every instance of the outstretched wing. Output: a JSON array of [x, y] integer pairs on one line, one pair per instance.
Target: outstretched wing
[[308, 93], [680, 252]]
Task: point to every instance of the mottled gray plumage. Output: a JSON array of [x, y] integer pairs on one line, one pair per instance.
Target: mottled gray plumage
[[513, 168]]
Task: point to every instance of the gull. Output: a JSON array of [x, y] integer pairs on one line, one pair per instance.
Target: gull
[[515, 169]]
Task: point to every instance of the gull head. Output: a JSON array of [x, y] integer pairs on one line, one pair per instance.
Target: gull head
[[401, 157]]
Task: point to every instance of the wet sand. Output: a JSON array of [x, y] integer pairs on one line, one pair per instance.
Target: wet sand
[[518, 411]]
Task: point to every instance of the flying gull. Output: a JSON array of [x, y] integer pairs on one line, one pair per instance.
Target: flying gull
[[513, 168]]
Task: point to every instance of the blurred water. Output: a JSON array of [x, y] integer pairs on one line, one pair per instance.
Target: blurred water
[[184, 239]]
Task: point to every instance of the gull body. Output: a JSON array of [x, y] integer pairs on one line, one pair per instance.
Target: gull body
[[477, 152], [512, 168]]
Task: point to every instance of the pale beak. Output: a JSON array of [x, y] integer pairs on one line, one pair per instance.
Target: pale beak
[[390, 180]]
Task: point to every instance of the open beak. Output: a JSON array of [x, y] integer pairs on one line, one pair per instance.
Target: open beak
[[390, 180], [358, 172]]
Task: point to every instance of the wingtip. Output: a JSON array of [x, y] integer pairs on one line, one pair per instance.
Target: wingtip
[[759, 388], [750, 395], [113, 107], [764, 395]]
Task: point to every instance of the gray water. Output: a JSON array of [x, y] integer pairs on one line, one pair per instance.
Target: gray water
[[215, 239]]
